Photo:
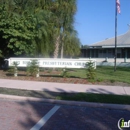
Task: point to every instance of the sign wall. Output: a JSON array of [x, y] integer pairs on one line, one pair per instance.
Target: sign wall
[[52, 63]]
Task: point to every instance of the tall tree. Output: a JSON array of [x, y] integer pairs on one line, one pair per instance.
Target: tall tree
[[72, 45], [68, 21], [15, 30], [64, 17], [38, 27]]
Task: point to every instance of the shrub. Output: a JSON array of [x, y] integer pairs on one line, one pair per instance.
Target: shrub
[[13, 70], [112, 80], [90, 71], [33, 68], [99, 80]]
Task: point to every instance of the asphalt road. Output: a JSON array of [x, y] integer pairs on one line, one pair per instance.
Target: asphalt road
[[25, 115]]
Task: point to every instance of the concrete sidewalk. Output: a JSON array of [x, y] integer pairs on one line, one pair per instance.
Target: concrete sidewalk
[[63, 87]]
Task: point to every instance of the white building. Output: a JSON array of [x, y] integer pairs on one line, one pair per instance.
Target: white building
[[106, 48]]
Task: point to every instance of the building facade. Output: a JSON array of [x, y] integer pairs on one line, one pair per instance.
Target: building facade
[[106, 48]]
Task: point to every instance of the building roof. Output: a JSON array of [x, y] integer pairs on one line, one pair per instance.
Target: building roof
[[122, 41]]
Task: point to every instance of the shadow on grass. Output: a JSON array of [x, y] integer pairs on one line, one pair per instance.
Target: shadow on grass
[[9, 74], [50, 75]]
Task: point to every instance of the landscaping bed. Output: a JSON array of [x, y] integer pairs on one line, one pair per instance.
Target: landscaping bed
[[56, 76], [105, 76]]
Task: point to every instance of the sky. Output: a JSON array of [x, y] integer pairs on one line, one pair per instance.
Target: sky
[[95, 20]]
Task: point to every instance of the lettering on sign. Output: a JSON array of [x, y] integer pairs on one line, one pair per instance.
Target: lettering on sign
[[53, 63]]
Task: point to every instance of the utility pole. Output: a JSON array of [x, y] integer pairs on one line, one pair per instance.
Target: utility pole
[[117, 9]]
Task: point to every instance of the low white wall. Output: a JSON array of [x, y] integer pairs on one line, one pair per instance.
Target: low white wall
[[122, 64], [110, 61]]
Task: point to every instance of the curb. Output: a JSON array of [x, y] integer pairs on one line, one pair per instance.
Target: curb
[[64, 102]]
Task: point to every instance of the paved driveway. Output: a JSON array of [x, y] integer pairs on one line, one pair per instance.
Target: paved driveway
[[22, 115]]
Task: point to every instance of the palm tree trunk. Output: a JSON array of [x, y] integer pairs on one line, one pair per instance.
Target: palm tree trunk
[[62, 45], [57, 43], [62, 49]]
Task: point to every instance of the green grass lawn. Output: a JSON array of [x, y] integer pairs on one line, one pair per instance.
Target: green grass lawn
[[103, 73], [85, 97], [98, 98], [122, 74]]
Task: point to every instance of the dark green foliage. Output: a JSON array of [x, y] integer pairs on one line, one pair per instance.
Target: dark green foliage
[[112, 80], [91, 72], [99, 80], [17, 30], [31, 27], [33, 68], [1, 54]]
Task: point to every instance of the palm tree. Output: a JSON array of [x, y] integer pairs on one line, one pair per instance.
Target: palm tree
[[63, 11], [40, 19], [72, 45], [68, 21]]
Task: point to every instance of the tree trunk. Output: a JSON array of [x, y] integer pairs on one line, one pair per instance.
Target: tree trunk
[[62, 46], [62, 50], [57, 43]]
